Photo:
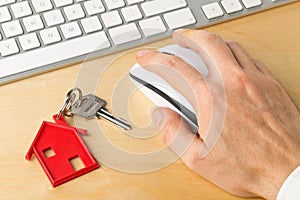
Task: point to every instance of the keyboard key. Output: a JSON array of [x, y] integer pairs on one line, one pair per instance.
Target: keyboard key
[[29, 41], [130, 2], [111, 19], [5, 2], [59, 52], [180, 18], [4, 14], [94, 7], [33, 23], [91, 24], [12, 28], [131, 13], [113, 4], [232, 6], [50, 36], [161, 14], [21, 9], [42, 5], [60, 3], [251, 3], [152, 26], [54, 17], [212, 10], [124, 34], [8, 47], [71, 30], [74, 12], [161, 6]]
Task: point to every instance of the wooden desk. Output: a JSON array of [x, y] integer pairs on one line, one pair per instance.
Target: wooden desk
[[271, 36]]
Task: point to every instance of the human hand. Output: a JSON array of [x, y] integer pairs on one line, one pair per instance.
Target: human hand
[[259, 145]]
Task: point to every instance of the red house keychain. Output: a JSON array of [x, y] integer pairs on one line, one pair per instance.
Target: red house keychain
[[56, 145]]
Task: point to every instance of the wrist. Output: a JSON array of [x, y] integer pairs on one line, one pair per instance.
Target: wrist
[[271, 183], [290, 188], [281, 165]]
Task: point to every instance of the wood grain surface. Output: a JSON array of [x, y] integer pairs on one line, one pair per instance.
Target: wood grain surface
[[272, 36]]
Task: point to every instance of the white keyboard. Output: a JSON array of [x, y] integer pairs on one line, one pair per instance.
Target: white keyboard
[[41, 35]]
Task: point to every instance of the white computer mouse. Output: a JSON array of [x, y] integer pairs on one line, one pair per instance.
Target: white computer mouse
[[161, 93]]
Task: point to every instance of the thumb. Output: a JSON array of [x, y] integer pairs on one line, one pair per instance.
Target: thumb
[[174, 130]]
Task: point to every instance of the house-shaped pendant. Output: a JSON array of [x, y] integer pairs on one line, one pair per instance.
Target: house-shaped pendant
[[57, 146]]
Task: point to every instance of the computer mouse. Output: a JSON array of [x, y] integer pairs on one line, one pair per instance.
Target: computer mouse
[[161, 93]]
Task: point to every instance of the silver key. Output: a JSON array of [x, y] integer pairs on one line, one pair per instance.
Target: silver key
[[90, 106]]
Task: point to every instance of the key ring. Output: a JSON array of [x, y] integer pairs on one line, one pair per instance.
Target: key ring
[[70, 99]]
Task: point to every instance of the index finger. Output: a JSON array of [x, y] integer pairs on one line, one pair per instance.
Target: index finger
[[211, 47]]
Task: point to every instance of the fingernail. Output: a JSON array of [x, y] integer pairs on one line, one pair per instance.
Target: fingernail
[[157, 117], [141, 53]]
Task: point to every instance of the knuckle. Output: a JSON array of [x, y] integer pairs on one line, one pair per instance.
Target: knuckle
[[172, 61], [211, 37], [201, 36], [242, 79], [246, 84]]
